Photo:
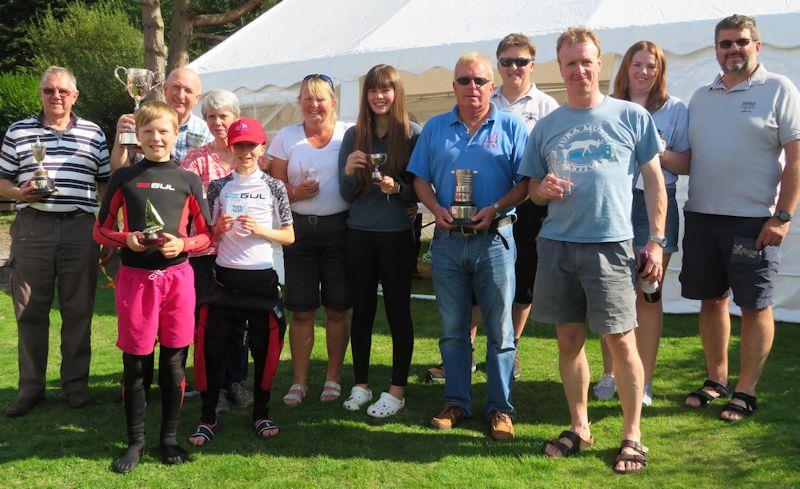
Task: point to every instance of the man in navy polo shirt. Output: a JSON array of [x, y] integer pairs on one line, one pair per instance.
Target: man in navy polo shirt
[[478, 257]]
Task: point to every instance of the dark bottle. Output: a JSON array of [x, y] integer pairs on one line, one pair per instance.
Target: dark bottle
[[650, 290]]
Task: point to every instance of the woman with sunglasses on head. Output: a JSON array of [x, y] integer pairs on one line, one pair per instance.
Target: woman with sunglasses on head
[[642, 79], [379, 245], [305, 156]]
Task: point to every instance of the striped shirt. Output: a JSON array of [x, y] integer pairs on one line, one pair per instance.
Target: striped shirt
[[76, 159], [194, 133]]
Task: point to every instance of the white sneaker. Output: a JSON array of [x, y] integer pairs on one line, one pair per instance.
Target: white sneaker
[[606, 388], [647, 397]]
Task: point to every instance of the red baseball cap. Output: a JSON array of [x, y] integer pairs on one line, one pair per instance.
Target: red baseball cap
[[246, 130]]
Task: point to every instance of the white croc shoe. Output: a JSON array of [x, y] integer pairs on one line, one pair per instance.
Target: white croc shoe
[[357, 398], [386, 405]]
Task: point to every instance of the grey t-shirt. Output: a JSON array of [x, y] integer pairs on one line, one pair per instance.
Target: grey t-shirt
[[672, 122], [736, 138], [605, 145]]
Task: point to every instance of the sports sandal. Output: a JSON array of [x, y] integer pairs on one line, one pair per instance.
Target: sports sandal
[[578, 444], [292, 399], [750, 406], [205, 432], [330, 391], [264, 425], [387, 405], [704, 397], [358, 397], [639, 457]]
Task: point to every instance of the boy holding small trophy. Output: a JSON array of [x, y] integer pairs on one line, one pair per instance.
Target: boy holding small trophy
[[155, 298]]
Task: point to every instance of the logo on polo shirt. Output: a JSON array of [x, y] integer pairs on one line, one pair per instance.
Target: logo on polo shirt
[[155, 186], [747, 106], [492, 141]]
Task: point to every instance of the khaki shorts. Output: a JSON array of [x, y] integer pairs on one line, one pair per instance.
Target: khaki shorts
[[586, 282]]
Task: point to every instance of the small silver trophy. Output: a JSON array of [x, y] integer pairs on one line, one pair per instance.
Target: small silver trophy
[[376, 161], [41, 181], [153, 226], [463, 208], [139, 82]]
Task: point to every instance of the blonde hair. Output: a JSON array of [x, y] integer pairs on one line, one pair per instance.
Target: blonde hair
[[576, 35], [319, 88], [478, 58], [150, 111]]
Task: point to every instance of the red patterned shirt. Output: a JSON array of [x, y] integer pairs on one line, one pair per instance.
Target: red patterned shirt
[[206, 164]]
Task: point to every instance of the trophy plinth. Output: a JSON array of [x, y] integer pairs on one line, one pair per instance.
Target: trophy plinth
[[139, 83], [42, 183], [463, 208], [152, 236]]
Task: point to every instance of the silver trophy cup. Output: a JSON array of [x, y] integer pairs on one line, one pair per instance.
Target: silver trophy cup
[[41, 181], [463, 207], [139, 82]]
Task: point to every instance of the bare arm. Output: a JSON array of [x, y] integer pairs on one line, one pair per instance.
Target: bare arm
[[487, 215], [119, 153], [427, 197], [655, 196], [279, 169], [677, 163], [774, 230], [10, 190]]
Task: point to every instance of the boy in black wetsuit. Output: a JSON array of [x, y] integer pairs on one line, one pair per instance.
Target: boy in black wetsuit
[[154, 294]]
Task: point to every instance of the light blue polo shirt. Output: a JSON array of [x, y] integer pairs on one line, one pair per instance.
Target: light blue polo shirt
[[605, 145], [495, 151]]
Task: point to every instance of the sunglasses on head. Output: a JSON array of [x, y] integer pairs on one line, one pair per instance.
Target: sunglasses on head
[[322, 77], [739, 42], [61, 91], [464, 80], [518, 62]]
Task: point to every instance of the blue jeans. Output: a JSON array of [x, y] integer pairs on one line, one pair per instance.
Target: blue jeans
[[461, 264]]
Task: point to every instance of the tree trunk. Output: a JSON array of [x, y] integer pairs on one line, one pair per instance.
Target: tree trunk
[[155, 54], [180, 34]]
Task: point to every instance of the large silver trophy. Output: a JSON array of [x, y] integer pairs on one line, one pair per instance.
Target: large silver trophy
[[463, 207], [41, 181], [139, 82]]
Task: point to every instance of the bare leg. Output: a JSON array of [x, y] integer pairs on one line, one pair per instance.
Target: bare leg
[[650, 316], [630, 377], [758, 330], [574, 370], [715, 332], [608, 361], [337, 335], [301, 340], [519, 315], [473, 325]]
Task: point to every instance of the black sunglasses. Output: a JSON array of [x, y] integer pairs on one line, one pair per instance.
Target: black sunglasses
[[61, 91], [464, 80], [322, 77], [739, 42], [519, 62]]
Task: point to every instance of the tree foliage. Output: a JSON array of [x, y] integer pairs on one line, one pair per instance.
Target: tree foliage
[[19, 98], [90, 40]]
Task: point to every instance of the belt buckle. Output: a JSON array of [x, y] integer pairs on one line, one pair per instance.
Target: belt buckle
[[467, 231], [313, 220]]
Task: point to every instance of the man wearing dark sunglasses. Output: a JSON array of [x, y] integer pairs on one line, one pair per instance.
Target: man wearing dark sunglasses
[[741, 200], [518, 95], [477, 257], [51, 238]]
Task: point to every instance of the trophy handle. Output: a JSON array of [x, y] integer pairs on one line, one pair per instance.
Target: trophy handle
[[158, 79], [116, 75]]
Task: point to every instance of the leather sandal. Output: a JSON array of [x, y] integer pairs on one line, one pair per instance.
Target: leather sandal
[[578, 444], [750, 406], [639, 457], [723, 392]]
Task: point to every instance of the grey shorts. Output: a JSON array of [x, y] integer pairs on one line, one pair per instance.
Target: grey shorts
[[586, 282]]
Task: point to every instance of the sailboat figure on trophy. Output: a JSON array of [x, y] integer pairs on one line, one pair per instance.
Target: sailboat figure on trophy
[[154, 225]]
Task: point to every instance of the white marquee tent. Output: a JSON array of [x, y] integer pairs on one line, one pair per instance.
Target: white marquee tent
[[264, 61]]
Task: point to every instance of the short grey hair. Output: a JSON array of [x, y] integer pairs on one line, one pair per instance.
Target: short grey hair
[[58, 71], [218, 99]]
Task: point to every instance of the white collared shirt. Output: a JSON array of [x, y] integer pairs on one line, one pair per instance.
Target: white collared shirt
[[531, 107]]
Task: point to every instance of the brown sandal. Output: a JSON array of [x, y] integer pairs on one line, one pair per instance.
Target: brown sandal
[[578, 444], [639, 457]]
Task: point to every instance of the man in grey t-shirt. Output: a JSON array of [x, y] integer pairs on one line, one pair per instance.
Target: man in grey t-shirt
[[586, 271], [738, 126]]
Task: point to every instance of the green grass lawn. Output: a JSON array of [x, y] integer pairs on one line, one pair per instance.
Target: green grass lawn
[[325, 445]]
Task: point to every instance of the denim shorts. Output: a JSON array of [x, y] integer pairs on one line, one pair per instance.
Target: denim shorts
[[641, 224], [314, 264], [719, 256], [586, 282]]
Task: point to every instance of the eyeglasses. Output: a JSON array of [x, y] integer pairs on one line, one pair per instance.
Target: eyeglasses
[[725, 44], [518, 62], [322, 77], [464, 80], [61, 91]]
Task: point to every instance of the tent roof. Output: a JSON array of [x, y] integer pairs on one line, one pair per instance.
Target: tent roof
[[346, 37]]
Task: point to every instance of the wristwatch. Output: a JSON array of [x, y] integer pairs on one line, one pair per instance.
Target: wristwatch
[[659, 240], [496, 206], [783, 216]]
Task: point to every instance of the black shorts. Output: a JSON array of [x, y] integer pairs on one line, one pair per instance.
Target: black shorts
[[314, 264], [526, 229], [719, 255]]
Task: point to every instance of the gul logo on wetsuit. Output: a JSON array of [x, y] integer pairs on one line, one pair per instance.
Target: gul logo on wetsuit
[[155, 186], [244, 195]]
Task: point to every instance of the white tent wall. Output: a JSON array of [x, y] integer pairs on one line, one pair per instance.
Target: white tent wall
[[264, 61]]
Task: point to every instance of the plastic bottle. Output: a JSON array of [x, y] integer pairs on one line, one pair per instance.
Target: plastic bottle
[[650, 290]]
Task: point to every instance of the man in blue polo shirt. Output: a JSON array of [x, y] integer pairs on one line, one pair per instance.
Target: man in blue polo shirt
[[478, 257]]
